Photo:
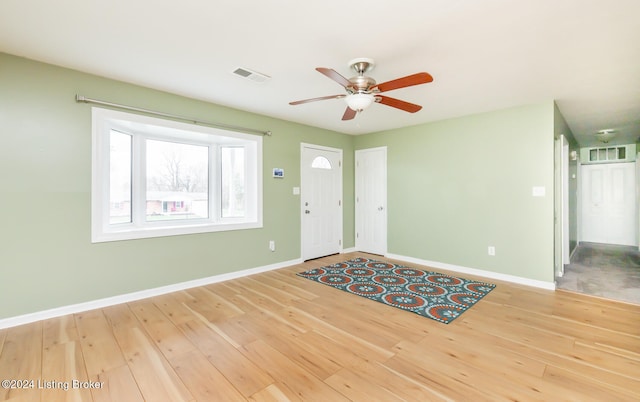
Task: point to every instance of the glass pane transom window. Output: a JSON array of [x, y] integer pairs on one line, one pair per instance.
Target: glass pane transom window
[[320, 162]]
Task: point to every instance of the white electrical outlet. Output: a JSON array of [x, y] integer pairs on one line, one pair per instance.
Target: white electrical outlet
[[491, 250], [538, 191], [272, 245]]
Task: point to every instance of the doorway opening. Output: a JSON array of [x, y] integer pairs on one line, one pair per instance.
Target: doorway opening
[[606, 259]]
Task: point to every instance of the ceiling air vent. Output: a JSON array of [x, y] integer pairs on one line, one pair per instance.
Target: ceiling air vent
[[251, 75]]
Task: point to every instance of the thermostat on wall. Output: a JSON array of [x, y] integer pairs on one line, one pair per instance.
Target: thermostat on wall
[[278, 173]]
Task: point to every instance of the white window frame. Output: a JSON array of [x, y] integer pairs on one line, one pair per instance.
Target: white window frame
[[145, 127]]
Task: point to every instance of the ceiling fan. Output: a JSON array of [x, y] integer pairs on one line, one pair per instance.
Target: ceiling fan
[[362, 91]]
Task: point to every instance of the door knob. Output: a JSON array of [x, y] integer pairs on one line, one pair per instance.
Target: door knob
[[306, 211], [380, 208]]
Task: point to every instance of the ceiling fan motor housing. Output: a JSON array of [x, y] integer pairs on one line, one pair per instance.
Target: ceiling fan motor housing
[[361, 83]]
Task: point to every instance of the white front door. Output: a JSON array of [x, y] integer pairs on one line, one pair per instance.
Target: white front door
[[609, 204], [371, 200], [321, 197]]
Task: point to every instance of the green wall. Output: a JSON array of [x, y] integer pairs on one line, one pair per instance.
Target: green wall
[[457, 186], [454, 188], [47, 259]]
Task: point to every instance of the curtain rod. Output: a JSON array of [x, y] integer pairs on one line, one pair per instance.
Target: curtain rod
[[83, 99]]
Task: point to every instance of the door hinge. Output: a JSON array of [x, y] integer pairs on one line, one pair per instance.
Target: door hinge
[[339, 242], [339, 203]]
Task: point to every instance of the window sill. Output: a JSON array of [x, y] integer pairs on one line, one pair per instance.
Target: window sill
[[151, 232]]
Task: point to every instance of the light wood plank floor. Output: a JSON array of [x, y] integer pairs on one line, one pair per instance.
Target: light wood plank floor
[[275, 336]]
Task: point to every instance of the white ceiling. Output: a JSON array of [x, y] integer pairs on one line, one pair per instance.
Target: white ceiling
[[484, 55]]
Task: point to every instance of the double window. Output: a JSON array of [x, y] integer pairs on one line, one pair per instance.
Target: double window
[[154, 177]]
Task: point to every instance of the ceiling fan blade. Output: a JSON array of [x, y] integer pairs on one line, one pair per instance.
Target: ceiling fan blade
[[414, 79], [300, 102], [398, 104], [333, 74], [349, 114]]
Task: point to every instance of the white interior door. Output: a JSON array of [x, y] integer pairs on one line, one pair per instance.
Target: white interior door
[[609, 204], [371, 200], [321, 197]]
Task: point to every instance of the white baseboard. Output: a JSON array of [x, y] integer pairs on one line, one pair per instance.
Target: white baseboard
[[348, 250], [143, 294], [477, 272]]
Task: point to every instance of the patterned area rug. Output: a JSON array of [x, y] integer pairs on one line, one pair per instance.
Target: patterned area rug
[[430, 294]]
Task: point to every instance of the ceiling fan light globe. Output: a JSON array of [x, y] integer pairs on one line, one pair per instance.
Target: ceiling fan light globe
[[359, 102]]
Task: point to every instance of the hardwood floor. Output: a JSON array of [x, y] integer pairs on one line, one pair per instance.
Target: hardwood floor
[[275, 336]]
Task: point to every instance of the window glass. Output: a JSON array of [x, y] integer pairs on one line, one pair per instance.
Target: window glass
[[320, 162], [232, 181], [119, 178], [177, 181]]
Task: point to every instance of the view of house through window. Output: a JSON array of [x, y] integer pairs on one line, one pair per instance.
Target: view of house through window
[[156, 177], [177, 181]]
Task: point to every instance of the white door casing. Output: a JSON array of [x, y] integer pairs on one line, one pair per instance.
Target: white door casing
[[609, 204], [371, 200], [321, 200], [562, 253], [638, 200]]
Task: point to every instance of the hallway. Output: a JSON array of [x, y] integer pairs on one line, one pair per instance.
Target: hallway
[[604, 270]]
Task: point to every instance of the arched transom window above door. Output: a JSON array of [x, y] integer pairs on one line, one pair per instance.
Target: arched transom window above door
[[320, 162]]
